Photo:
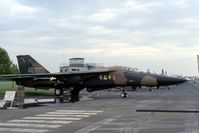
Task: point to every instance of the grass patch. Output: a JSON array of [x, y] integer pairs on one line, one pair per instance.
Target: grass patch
[[29, 92]]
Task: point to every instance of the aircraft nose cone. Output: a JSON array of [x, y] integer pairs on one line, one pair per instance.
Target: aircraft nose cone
[[181, 80], [164, 80]]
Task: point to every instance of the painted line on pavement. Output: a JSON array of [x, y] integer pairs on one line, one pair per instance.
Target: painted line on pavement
[[94, 126], [41, 121], [29, 125], [22, 130], [51, 118], [71, 113], [57, 115], [82, 111]]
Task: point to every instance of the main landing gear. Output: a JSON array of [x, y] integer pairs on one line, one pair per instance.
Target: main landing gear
[[124, 93], [58, 91], [72, 96]]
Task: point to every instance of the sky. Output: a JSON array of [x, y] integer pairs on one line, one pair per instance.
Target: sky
[[146, 34]]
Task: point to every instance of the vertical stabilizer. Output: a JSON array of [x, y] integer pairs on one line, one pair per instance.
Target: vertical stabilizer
[[28, 65]]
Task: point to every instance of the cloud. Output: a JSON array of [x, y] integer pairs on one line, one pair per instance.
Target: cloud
[[14, 9], [135, 5], [104, 15], [113, 32], [99, 30], [116, 50], [188, 22], [181, 3]]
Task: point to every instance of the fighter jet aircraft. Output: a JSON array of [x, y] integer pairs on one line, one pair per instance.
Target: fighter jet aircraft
[[35, 75]]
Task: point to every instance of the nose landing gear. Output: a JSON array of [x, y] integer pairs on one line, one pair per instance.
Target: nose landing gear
[[124, 93]]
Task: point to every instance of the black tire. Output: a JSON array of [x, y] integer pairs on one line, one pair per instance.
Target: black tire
[[124, 95], [58, 92]]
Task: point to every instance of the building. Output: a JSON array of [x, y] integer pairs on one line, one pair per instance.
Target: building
[[78, 64]]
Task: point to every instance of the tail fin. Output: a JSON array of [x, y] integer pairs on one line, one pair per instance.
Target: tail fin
[[28, 65], [198, 62]]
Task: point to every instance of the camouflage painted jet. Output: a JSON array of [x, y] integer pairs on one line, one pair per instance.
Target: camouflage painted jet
[[33, 74]]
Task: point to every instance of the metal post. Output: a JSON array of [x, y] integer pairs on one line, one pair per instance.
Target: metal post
[[20, 97]]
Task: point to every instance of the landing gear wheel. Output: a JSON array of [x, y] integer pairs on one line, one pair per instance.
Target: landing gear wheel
[[124, 95], [58, 92], [150, 90]]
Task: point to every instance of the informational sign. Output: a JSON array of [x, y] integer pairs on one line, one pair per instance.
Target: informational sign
[[9, 95]]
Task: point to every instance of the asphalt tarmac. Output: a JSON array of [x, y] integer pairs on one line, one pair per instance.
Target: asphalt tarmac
[[161, 111]]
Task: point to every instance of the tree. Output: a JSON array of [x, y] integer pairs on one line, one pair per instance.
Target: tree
[[6, 65]]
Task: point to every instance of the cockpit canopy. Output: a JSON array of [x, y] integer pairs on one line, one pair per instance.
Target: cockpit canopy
[[130, 69]]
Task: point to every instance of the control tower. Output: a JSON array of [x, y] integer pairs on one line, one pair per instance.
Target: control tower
[[78, 64]]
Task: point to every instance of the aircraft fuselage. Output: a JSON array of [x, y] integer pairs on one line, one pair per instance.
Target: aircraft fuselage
[[119, 77]]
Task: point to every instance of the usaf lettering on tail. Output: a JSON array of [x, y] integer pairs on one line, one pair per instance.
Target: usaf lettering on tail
[[35, 75]]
